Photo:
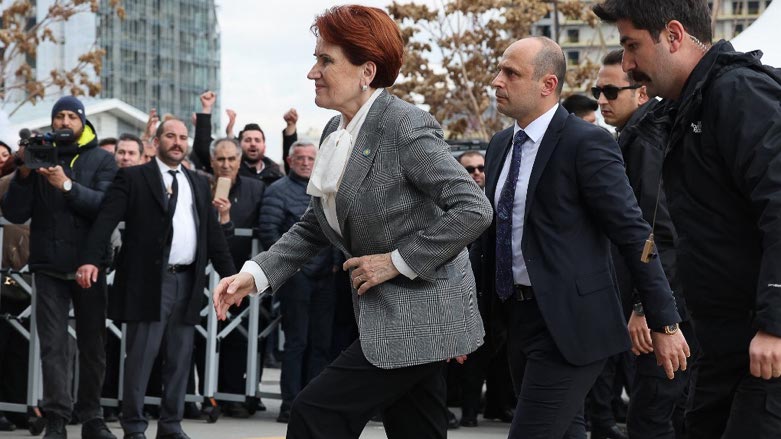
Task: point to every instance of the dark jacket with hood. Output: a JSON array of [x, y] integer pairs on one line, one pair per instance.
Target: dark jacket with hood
[[60, 221], [642, 141], [722, 175]]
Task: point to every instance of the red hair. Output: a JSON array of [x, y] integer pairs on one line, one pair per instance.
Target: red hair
[[364, 34]]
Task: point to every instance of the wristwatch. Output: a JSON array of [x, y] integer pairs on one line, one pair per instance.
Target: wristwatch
[[638, 309], [67, 185], [667, 329]]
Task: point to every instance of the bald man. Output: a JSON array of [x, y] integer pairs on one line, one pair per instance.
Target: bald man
[[561, 195]]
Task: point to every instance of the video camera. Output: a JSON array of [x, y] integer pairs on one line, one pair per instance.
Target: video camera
[[40, 151]]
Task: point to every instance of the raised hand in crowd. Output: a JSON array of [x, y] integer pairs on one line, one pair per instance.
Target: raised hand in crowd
[[231, 121], [208, 98], [291, 118], [151, 125]]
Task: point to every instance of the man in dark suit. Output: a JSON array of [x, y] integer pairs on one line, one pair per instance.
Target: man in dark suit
[[171, 230], [561, 195]]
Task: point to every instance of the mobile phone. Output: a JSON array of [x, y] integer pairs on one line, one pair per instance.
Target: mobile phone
[[223, 187]]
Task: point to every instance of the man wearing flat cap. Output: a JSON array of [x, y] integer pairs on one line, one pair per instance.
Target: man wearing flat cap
[[61, 201]]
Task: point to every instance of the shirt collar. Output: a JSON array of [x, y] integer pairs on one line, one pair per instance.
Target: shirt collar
[[165, 168], [537, 128]]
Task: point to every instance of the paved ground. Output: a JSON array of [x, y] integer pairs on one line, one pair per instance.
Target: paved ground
[[263, 425]]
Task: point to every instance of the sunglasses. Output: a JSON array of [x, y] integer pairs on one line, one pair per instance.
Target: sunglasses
[[471, 169], [611, 91]]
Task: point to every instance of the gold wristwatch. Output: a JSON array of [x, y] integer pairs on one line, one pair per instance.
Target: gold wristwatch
[[668, 329]]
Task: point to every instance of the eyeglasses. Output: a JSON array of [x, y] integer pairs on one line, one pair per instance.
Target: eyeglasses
[[471, 169], [611, 91]]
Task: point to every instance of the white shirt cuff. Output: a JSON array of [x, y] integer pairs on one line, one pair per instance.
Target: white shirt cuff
[[261, 281], [400, 265]]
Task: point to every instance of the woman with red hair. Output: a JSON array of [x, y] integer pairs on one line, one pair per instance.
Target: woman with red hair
[[387, 192]]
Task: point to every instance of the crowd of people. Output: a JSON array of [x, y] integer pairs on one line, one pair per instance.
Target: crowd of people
[[563, 268]]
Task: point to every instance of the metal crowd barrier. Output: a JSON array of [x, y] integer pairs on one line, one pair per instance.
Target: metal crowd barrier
[[213, 337]]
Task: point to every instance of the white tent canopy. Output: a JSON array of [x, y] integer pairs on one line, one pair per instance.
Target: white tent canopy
[[764, 34]]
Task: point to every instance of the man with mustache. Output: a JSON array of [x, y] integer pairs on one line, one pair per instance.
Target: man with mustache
[[171, 230], [723, 187], [561, 196], [656, 404]]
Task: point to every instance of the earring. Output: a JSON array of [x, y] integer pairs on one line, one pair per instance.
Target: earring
[[364, 87]]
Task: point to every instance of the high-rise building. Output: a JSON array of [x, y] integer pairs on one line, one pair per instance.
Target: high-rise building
[[582, 42], [162, 55]]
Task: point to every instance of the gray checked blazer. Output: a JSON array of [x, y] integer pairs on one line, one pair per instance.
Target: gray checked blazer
[[402, 189]]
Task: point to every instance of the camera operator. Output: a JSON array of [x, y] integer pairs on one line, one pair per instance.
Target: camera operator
[[61, 198]]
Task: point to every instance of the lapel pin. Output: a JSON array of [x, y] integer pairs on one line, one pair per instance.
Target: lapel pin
[[366, 152]]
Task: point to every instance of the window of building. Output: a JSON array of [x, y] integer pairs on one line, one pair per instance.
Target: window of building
[[753, 8], [738, 28], [544, 31], [737, 8], [573, 57], [573, 35]]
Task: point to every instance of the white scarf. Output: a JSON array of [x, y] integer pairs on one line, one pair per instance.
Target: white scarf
[[332, 160], [335, 152]]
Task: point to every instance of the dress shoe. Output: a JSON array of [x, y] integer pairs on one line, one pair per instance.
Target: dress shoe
[[135, 436], [191, 411], [178, 435], [468, 421], [284, 416], [452, 421], [55, 428], [613, 432], [260, 406], [96, 429], [236, 410], [505, 415], [5, 424]]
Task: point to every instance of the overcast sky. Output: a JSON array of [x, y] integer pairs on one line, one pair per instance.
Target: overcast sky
[[266, 53]]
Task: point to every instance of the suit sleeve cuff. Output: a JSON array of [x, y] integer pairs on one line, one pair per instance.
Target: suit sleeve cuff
[[261, 281], [402, 266]]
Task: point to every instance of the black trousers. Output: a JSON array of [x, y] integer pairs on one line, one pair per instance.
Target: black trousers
[[341, 400], [657, 404], [54, 297], [600, 397], [487, 364], [307, 306], [726, 401], [552, 391]]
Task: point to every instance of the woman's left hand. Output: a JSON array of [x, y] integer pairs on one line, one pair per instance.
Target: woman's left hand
[[369, 271]]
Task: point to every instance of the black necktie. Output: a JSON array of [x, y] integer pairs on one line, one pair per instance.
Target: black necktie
[[174, 194]]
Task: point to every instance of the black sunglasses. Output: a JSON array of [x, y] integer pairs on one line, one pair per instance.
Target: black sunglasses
[[471, 169], [611, 91]]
